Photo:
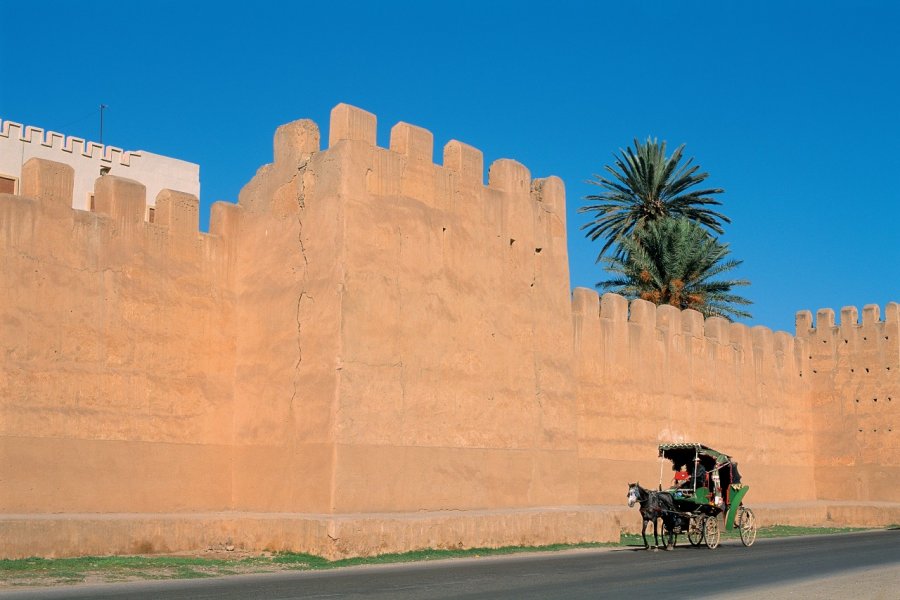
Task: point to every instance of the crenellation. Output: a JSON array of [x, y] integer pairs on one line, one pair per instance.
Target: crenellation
[[871, 314], [803, 323], [74, 145], [123, 199], [112, 154], [53, 139], [416, 143], [10, 129], [763, 342], [668, 319], [692, 323], [824, 320], [294, 142], [179, 213], [507, 175], [642, 313], [614, 307], [826, 328], [33, 135], [892, 313], [717, 329], [740, 336], [849, 317], [352, 123], [407, 169], [224, 219], [49, 182], [551, 193], [586, 303], [70, 144], [92, 149], [466, 161]]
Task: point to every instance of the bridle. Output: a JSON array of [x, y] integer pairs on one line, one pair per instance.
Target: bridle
[[636, 494]]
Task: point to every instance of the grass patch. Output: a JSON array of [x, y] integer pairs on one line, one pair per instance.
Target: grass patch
[[62, 571], [43, 571], [427, 555]]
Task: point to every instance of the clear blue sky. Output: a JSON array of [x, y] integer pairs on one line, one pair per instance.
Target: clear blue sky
[[792, 107]]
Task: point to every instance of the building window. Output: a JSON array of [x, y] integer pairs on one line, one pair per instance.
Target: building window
[[7, 185]]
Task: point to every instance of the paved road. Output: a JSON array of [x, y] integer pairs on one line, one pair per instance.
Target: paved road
[[848, 565]]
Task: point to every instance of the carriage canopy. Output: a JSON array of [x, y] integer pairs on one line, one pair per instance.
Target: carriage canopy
[[684, 453]]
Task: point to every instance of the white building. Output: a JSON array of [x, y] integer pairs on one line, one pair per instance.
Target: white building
[[90, 160]]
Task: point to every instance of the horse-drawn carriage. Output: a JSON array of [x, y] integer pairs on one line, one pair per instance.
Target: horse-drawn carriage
[[707, 484]]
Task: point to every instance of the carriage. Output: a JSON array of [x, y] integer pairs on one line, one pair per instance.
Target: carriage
[[709, 486]]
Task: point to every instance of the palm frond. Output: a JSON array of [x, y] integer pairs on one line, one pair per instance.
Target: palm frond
[[676, 261], [643, 185]]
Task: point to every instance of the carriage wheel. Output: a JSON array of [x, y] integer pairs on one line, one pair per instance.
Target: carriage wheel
[[748, 527], [695, 532], [711, 533]]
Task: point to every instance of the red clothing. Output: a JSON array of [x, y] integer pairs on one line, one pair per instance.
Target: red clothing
[[682, 476]]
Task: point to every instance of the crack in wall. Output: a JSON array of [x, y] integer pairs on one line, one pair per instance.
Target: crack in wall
[[301, 205]]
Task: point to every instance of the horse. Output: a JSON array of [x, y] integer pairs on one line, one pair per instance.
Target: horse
[[654, 506]]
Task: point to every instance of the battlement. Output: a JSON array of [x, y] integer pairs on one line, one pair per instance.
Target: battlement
[[869, 343], [406, 168], [20, 143], [65, 143], [119, 218], [849, 318], [615, 310], [847, 350]]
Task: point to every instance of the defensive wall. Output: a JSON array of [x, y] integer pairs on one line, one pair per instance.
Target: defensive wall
[[371, 352]]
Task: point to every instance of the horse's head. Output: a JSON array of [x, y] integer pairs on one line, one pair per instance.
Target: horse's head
[[634, 494]]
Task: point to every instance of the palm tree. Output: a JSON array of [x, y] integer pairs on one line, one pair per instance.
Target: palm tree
[[647, 186], [675, 261]]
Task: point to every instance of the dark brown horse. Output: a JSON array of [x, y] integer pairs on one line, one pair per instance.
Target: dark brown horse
[[654, 506]]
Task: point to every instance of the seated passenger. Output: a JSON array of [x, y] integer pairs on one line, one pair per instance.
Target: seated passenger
[[682, 477]]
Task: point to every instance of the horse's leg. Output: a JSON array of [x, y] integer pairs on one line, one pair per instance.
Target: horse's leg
[[655, 535], [670, 541], [665, 532], [644, 534]]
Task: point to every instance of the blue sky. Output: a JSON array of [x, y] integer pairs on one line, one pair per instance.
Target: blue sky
[[792, 107]]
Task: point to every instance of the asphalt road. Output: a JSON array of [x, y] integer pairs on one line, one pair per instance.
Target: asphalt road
[[847, 565]]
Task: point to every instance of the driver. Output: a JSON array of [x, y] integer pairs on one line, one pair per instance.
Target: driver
[[700, 480]]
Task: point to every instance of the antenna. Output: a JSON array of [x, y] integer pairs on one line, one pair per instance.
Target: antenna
[[102, 108]]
